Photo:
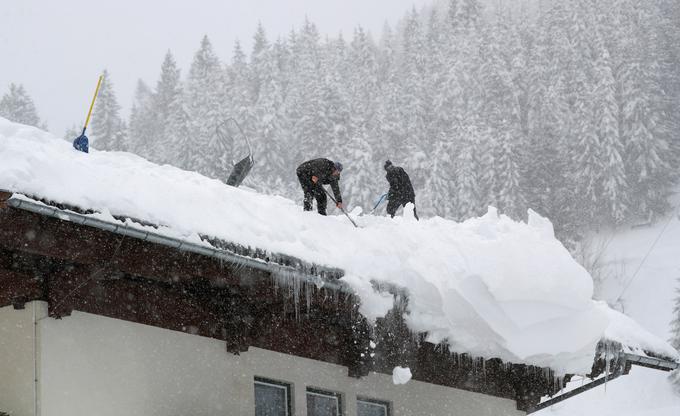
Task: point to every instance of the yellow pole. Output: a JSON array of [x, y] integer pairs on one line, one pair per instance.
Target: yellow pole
[[89, 113]]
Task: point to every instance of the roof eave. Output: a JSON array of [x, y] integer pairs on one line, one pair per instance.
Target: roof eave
[[7, 199]]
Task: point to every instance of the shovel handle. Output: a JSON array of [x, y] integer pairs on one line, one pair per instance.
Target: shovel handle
[[341, 209], [89, 113]]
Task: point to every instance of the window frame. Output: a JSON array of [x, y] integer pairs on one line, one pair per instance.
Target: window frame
[[387, 405], [327, 393], [286, 386]]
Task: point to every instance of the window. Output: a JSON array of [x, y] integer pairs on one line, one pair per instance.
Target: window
[[370, 407], [323, 403], [272, 398]]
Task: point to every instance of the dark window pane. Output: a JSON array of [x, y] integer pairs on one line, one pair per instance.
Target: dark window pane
[[365, 408], [319, 404], [271, 399]]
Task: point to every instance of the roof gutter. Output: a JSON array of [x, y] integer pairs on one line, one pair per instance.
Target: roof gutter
[[275, 269], [651, 362]]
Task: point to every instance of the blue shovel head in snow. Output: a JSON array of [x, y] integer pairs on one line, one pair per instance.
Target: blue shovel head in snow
[[81, 143]]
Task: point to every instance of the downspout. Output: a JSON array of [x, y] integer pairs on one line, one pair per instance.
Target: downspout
[[35, 360]]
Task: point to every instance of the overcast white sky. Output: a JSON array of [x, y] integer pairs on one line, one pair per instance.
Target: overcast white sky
[[57, 48]]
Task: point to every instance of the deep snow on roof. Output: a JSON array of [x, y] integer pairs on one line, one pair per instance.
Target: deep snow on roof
[[491, 286]]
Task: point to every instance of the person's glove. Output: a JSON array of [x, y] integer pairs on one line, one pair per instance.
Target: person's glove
[[315, 179], [339, 205]]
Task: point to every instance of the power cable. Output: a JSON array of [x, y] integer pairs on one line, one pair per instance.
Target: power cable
[[644, 259]]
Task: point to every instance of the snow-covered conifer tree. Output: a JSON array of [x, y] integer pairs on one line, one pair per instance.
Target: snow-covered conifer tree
[[362, 179], [72, 132], [167, 101], [258, 61], [438, 195], [410, 142], [178, 134], [467, 196], [141, 126], [17, 106], [363, 83], [501, 115], [469, 12], [270, 131], [613, 189], [239, 88], [311, 129], [435, 73], [675, 336], [648, 151], [335, 113], [108, 129], [386, 125], [204, 104], [282, 57]]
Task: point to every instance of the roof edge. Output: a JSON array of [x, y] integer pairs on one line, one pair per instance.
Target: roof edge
[[617, 371], [652, 362], [299, 269]]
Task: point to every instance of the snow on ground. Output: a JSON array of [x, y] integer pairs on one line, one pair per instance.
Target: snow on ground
[[643, 392], [645, 291], [492, 286]]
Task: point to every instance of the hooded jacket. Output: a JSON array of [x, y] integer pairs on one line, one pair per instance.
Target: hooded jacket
[[323, 169]]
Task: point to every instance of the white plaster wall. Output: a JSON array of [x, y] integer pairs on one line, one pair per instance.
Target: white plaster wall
[[411, 399], [17, 352], [96, 365]]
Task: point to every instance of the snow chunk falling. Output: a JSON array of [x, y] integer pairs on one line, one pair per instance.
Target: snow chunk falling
[[491, 286], [401, 375]]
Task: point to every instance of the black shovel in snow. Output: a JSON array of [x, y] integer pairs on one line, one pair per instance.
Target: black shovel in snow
[[341, 209], [241, 168]]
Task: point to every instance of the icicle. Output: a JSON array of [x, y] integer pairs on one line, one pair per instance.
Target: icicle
[[606, 365], [285, 279], [308, 296], [275, 281], [296, 297]]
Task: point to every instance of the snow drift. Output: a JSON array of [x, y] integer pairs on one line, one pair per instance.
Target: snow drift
[[491, 286]]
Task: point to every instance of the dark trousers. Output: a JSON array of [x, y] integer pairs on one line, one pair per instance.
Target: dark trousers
[[313, 191], [393, 206]]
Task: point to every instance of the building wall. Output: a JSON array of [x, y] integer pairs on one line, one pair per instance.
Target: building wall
[[103, 366], [17, 353]]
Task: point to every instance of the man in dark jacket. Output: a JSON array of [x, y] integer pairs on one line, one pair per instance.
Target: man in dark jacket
[[315, 173], [401, 191]]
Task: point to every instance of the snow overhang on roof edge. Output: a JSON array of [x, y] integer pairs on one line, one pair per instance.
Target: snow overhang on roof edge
[[294, 267], [25, 203]]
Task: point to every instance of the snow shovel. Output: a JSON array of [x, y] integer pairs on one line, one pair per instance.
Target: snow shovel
[[81, 143], [380, 200], [341, 209], [243, 166]]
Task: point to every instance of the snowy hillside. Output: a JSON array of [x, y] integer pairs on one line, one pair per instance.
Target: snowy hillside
[[492, 286], [643, 288], [645, 291]]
